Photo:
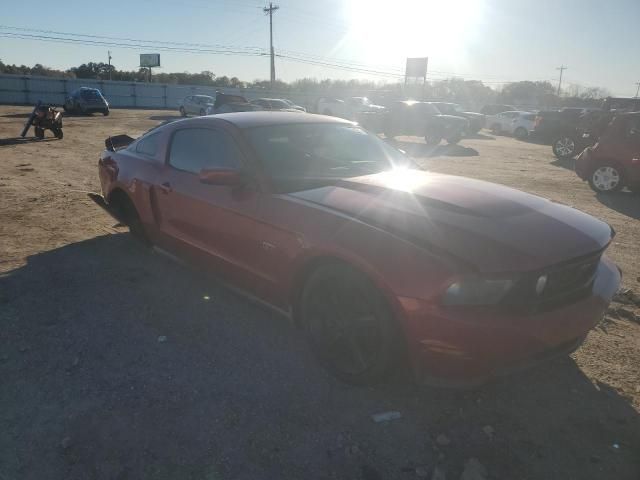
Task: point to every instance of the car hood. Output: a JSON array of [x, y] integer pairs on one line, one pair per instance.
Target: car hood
[[487, 227], [372, 108]]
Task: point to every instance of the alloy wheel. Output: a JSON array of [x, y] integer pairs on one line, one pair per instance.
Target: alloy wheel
[[606, 179], [565, 146]]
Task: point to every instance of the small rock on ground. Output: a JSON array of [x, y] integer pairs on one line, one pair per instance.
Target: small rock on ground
[[474, 470], [438, 473]]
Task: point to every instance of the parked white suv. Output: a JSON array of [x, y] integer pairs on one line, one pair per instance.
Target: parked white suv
[[349, 108], [516, 123]]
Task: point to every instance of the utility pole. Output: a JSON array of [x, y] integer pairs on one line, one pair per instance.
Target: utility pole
[[637, 89], [109, 54], [270, 9], [562, 68]]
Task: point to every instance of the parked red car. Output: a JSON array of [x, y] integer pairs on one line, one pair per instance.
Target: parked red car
[[614, 162], [376, 261]]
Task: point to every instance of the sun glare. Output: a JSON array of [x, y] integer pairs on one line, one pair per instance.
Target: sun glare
[[405, 28]]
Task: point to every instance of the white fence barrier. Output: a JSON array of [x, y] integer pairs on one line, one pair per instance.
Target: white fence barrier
[[28, 89]]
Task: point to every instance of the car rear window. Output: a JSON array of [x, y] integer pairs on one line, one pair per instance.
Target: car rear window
[[148, 145], [90, 94]]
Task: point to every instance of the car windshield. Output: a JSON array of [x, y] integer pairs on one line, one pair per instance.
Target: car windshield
[[310, 150], [446, 108], [429, 108]]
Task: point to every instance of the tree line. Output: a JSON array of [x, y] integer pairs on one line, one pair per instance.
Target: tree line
[[466, 92]]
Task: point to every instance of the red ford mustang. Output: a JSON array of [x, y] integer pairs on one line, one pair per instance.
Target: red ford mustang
[[376, 261]]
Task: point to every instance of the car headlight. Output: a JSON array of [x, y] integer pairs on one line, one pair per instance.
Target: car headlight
[[477, 291]]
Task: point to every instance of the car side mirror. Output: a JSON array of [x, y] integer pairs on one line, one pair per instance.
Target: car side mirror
[[222, 176]]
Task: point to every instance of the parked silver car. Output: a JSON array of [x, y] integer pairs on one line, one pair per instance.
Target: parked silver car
[[196, 105]]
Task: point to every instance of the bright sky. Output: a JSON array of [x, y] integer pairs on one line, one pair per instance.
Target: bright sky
[[489, 40]]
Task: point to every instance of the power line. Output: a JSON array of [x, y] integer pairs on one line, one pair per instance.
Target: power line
[[46, 38], [137, 40], [217, 49]]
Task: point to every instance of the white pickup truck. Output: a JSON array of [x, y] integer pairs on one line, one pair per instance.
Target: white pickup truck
[[349, 108]]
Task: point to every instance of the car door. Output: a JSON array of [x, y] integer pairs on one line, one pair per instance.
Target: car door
[[194, 107], [630, 149], [213, 224], [508, 121]]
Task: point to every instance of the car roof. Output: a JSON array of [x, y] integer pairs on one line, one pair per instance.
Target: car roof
[[261, 119]]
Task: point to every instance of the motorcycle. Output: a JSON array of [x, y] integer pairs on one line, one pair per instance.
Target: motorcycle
[[42, 118]]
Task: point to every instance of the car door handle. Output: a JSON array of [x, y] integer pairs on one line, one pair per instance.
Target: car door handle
[[166, 187]]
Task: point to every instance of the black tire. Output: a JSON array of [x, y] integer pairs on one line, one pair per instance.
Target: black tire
[[520, 133], [565, 147], [432, 139], [183, 112], [202, 112], [105, 112], [39, 132], [57, 132], [454, 140], [349, 325], [126, 211], [607, 178]]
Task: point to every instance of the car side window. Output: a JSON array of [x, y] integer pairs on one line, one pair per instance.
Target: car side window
[[148, 145], [195, 149]]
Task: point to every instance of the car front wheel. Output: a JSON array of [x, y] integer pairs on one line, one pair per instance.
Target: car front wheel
[[432, 139], [349, 325], [565, 147], [606, 178], [521, 133]]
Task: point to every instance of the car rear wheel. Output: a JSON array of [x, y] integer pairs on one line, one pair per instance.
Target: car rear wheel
[[606, 178], [496, 129], [183, 112], [454, 140], [349, 325], [432, 139], [202, 112], [565, 147], [126, 211], [105, 112], [520, 133]]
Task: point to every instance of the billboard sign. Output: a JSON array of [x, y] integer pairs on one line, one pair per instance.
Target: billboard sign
[[416, 67], [149, 60]]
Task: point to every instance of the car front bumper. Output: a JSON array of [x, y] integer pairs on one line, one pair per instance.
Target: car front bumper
[[458, 346]]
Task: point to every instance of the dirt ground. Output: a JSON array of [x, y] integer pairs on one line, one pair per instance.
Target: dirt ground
[[116, 363]]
